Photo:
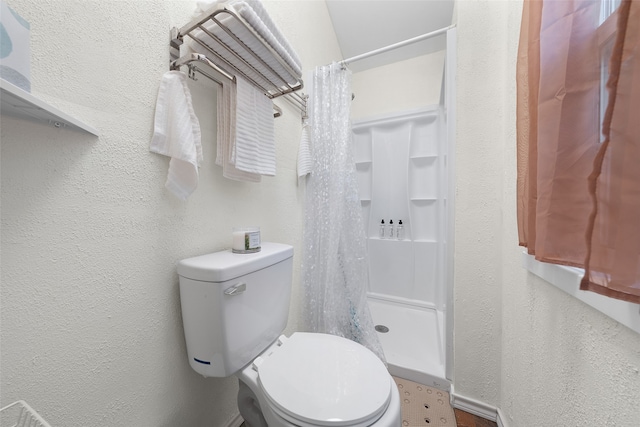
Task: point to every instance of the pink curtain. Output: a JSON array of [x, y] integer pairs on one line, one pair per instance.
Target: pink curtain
[[578, 154]]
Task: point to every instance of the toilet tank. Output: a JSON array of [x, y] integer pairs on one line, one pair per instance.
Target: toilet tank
[[234, 306]]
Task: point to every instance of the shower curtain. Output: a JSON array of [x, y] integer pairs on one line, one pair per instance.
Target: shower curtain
[[335, 265]]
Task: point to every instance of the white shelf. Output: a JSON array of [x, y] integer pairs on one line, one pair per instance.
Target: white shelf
[[423, 156], [406, 239], [363, 162], [390, 240], [423, 199], [18, 103]]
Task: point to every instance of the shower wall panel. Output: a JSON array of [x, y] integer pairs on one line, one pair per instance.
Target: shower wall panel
[[400, 162]]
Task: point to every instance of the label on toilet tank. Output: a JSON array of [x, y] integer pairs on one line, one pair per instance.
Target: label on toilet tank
[[252, 240]]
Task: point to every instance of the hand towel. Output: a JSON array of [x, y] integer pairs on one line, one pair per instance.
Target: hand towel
[[255, 149], [176, 134], [304, 151], [226, 133]]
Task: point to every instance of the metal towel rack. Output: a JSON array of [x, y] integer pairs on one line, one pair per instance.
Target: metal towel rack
[[229, 63]]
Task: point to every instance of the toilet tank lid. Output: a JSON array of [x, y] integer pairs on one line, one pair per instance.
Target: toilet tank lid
[[226, 265]]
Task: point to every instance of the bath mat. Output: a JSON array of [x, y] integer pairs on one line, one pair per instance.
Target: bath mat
[[424, 406]]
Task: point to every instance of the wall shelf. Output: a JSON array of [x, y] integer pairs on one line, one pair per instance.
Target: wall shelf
[[423, 156], [402, 241], [19, 103]]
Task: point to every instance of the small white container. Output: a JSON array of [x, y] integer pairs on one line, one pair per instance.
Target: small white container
[[246, 240]]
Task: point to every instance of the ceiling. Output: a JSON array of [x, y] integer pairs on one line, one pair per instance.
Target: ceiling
[[365, 25]]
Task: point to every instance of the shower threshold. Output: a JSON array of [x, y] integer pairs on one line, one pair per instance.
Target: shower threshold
[[413, 344]]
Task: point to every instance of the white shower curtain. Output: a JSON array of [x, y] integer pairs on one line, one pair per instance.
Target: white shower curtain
[[335, 264]]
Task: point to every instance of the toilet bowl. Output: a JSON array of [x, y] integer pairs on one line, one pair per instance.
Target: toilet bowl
[[313, 379], [235, 308]]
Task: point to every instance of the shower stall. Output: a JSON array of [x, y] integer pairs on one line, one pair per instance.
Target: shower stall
[[404, 164]]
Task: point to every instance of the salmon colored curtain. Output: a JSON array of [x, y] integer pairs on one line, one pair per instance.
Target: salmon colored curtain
[[579, 144]]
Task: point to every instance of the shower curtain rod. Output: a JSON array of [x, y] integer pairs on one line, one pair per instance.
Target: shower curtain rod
[[397, 45]]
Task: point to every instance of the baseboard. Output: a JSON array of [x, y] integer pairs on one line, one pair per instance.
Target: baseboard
[[236, 421], [502, 420], [474, 407]]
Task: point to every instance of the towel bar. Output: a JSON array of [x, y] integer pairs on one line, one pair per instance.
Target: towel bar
[[269, 71]]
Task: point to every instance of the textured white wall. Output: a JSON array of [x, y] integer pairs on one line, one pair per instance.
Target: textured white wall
[[90, 318], [91, 330], [401, 86], [543, 357], [478, 219]]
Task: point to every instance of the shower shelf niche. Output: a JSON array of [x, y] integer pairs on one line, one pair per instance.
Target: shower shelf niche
[[363, 165], [423, 156]]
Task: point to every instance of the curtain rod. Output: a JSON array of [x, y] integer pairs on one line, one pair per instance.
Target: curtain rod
[[397, 45]]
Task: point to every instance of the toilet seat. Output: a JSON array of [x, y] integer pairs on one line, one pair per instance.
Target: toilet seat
[[324, 380]]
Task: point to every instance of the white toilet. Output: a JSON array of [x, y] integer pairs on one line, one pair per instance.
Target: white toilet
[[234, 308]]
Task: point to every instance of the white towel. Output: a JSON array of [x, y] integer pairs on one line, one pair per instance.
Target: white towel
[[176, 134], [255, 149], [226, 134], [225, 94], [204, 5], [304, 151], [254, 13]]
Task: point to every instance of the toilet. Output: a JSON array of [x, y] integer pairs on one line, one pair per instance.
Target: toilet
[[234, 310]]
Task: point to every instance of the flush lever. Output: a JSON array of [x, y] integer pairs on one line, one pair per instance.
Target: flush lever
[[236, 289]]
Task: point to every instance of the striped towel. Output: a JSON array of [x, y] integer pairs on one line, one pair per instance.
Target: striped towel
[[227, 134], [304, 151], [255, 147]]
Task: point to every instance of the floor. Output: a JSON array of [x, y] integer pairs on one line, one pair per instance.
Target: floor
[[463, 419], [423, 405]]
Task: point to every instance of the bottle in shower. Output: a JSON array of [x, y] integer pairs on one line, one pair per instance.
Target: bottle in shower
[[382, 230], [400, 231], [390, 229]]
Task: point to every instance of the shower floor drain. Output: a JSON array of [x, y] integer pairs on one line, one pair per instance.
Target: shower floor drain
[[382, 328]]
